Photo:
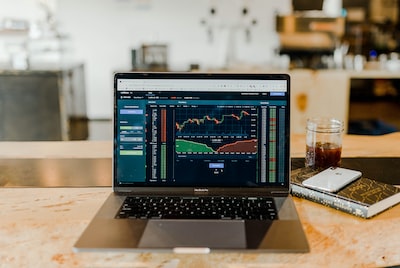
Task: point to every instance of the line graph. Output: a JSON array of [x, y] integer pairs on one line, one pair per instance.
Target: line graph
[[210, 130], [206, 118], [212, 121]]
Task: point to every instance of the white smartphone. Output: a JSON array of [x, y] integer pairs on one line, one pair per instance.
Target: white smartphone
[[332, 179]]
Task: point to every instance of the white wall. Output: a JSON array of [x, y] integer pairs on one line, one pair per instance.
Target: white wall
[[103, 32], [23, 9], [30, 11]]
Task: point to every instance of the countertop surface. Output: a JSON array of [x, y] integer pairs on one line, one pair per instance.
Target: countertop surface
[[39, 226], [353, 146]]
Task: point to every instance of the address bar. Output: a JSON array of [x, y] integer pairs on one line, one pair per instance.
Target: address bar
[[187, 84]]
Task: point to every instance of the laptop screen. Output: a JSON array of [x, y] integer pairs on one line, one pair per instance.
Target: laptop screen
[[201, 130]]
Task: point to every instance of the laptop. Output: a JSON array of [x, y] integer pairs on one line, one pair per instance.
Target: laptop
[[201, 163]]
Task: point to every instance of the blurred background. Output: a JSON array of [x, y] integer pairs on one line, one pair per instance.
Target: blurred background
[[58, 57]]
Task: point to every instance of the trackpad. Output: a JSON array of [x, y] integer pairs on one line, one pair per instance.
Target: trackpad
[[194, 233]]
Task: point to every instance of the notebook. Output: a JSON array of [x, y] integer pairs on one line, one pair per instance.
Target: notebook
[[202, 139]]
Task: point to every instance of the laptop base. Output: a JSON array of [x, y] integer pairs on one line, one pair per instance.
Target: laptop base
[[201, 236]]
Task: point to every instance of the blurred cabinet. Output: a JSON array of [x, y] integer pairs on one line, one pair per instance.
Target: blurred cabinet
[[318, 93], [327, 93], [43, 104]]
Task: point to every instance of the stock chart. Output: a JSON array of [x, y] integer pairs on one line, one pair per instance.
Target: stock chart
[[223, 130]]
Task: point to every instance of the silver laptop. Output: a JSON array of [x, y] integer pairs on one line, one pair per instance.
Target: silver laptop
[[201, 163]]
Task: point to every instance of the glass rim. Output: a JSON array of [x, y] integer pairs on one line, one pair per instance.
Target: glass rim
[[325, 125]]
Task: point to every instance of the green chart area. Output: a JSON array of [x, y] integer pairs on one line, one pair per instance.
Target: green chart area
[[184, 146], [243, 146]]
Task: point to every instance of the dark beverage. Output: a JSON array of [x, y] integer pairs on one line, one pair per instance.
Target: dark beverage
[[323, 155]]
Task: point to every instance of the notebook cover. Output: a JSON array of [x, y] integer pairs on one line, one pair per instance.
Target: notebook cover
[[364, 197], [384, 169]]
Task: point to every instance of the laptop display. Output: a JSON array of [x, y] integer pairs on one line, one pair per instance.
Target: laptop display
[[222, 133]]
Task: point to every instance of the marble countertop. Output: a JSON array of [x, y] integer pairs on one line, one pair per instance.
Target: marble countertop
[[39, 226]]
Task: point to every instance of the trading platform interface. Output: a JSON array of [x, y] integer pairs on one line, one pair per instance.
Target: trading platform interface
[[204, 138]]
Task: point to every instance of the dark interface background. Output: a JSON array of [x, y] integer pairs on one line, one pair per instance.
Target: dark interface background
[[205, 139]]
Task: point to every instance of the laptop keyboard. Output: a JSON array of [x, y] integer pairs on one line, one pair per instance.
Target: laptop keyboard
[[249, 208]]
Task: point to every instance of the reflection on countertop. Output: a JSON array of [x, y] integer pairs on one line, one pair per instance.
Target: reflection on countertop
[[59, 164], [55, 163], [55, 172]]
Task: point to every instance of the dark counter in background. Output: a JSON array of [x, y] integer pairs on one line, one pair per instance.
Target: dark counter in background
[[87, 172]]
